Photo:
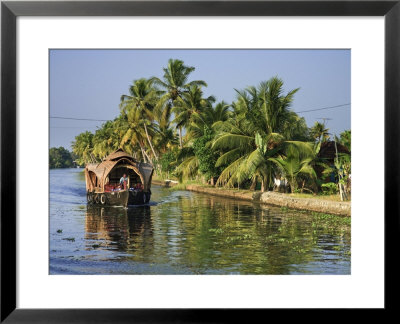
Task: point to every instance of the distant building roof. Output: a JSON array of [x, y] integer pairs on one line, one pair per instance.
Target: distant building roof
[[328, 150]]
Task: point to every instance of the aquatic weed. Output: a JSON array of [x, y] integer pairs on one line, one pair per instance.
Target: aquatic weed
[[216, 230], [230, 239]]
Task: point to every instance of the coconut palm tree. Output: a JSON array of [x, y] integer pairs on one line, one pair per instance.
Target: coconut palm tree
[[296, 161], [142, 97], [295, 128], [247, 158], [260, 115], [200, 129], [165, 139], [132, 133], [83, 147], [175, 83], [221, 112], [345, 139], [319, 132], [105, 140], [191, 105]]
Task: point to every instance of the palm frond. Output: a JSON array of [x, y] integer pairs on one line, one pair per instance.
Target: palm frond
[[229, 141]]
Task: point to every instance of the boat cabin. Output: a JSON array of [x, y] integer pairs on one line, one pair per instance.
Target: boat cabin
[[105, 176]]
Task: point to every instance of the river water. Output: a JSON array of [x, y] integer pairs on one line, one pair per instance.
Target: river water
[[183, 232]]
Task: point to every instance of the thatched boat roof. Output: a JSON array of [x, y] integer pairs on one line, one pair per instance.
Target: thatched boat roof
[[118, 154], [101, 170]]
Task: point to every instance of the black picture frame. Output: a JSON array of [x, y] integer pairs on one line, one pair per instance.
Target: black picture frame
[[10, 10]]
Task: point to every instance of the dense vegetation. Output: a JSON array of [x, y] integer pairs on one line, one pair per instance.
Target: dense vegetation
[[246, 144], [59, 157]]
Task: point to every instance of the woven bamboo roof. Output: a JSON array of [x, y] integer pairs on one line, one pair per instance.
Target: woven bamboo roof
[[117, 155], [101, 170]]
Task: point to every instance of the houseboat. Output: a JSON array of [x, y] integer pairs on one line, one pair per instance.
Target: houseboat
[[119, 180]]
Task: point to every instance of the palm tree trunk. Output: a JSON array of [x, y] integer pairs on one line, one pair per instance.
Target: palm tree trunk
[[180, 137], [148, 158], [143, 154], [262, 185], [302, 186], [151, 146], [253, 184], [293, 185]]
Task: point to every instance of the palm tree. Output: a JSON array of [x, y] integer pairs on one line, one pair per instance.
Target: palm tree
[[143, 97], [221, 112], [201, 128], [345, 139], [132, 134], [105, 140], [191, 105], [271, 107], [295, 128], [250, 158], [295, 162], [189, 163], [83, 147], [175, 83], [319, 132], [259, 117]]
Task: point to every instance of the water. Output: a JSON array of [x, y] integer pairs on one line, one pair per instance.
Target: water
[[183, 232]]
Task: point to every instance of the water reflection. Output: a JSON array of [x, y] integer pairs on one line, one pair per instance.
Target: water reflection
[[120, 229], [205, 234], [189, 233]]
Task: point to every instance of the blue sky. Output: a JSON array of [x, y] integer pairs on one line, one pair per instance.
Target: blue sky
[[89, 83]]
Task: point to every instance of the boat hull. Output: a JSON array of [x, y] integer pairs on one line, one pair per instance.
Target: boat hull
[[119, 198]]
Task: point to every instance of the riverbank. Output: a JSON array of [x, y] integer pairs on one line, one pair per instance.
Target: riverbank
[[279, 199], [342, 208], [164, 183], [319, 204]]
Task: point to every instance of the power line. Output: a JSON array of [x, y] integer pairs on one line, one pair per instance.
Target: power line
[[298, 112], [348, 104], [79, 118]]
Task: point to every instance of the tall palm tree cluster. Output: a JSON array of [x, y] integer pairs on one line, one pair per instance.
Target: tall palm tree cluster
[[170, 123]]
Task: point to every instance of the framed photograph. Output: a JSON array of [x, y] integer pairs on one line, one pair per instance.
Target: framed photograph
[[183, 160]]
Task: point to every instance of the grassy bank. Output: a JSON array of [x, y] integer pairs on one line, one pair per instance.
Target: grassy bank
[[311, 196]]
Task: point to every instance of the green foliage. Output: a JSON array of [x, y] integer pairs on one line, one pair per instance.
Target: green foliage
[[167, 162], [329, 188], [343, 169], [260, 122], [319, 132], [83, 147], [345, 139], [296, 161], [207, 158], [59, 157], [170, 123]]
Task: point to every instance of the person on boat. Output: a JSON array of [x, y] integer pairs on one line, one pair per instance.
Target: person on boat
[[123, 181]]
